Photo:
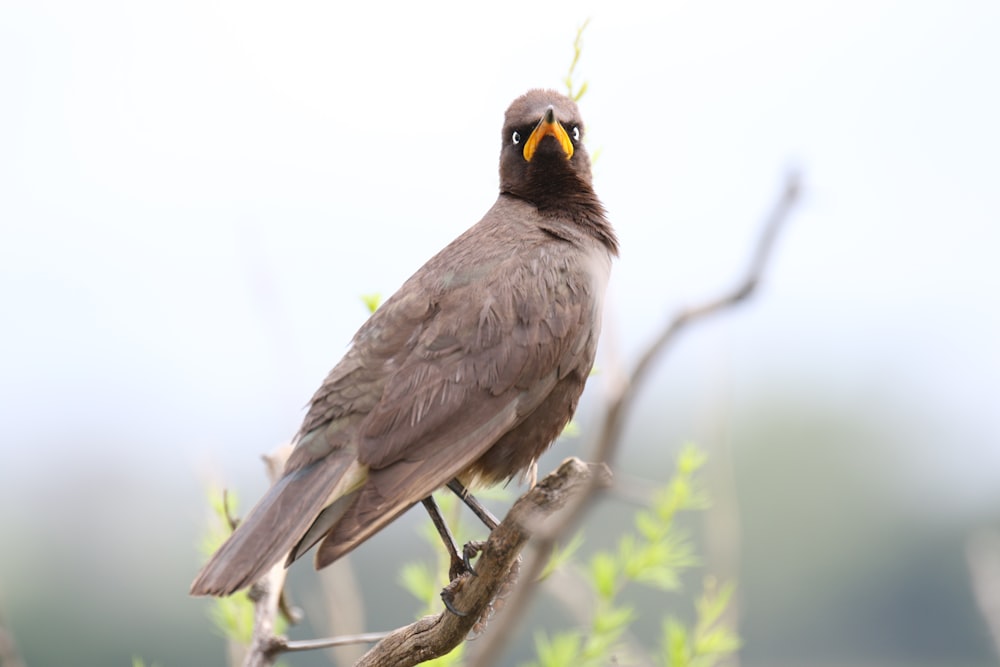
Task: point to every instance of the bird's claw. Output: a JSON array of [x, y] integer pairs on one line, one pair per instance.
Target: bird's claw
[[470, 551], [460, 567], [448, 597], [462, 563]]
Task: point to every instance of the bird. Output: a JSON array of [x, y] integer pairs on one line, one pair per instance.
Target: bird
[[464, 376]]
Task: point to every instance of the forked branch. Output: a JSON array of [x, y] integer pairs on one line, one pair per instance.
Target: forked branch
[[620, 400]]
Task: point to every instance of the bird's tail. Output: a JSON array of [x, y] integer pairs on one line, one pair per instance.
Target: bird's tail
[[276, 523]]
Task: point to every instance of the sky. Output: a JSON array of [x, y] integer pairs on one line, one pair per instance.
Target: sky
[[194, 195]]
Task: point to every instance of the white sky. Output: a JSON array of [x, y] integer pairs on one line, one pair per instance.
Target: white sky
[[193, 195]]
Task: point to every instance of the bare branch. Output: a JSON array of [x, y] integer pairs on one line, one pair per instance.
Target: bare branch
[[620, 401], [571, 488], [284, 646], [982, 552], [9, 656], [434, 636], [266, 593]]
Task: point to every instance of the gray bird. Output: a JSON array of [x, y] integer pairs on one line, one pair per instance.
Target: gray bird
[[464, 376]]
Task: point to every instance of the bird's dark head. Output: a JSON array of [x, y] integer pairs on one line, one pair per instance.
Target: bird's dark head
[[542, 157]]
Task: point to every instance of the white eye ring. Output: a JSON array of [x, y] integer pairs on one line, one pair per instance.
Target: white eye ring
[[516, 137], [576, 133]]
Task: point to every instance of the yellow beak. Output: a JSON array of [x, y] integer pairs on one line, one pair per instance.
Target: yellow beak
[[548, 125]]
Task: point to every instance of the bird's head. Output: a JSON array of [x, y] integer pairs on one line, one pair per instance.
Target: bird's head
[[542, 155]]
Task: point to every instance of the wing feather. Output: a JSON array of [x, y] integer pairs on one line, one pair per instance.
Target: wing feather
[[463, 354]]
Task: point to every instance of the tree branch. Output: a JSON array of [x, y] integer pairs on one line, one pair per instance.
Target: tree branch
[[622, 396], [434, 636], [571, 488], [621, 401], [266, 593], [982, 553], [9, 656]]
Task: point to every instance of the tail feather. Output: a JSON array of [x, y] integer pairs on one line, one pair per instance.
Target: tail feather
[[275, 524], [326, 520]]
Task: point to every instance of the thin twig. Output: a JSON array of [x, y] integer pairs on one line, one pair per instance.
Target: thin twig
[[620, 402], [331, 642]]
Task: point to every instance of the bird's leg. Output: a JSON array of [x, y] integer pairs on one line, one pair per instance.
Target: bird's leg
[[472, 549], [457, 567], [459, 560], [484, 514]]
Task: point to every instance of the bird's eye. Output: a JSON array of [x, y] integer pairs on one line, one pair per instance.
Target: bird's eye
[[516, 137], [576, 133]]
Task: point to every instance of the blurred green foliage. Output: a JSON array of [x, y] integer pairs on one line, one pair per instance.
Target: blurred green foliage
[[654, 553]]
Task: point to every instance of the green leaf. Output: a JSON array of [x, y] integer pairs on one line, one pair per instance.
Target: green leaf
[[571, 430], [577, 50], [562, 650], [711, 637], [663, 578], [233, 616], [690, 459], [224, 504], [650, 526], [612, 619], [713, 601], [562, 555], [604, 574], [420, 581], [372, 301], [655, 553], [717, 641], [676, 646], [597, 647]]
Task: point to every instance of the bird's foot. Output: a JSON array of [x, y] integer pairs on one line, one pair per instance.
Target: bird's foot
[[448, 596], [495, 605], [461, 565], [470, 551]]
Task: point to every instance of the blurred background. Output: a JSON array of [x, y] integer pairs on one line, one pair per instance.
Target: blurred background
[[194, 195]]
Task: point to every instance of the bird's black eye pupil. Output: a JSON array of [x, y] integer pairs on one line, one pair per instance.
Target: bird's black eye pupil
[[516, 137], [576, 133]]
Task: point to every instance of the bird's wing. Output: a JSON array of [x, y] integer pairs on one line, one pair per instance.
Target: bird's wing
[[324, 466], [487, 348], [479, 366]]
